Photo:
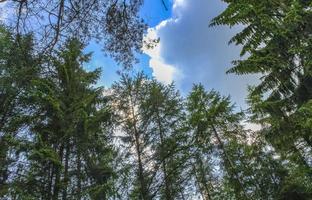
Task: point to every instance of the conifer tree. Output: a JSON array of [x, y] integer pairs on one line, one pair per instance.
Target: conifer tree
[[151, 119], [163, 110], [226, 157], [18, 67], [214, 123], [69, 154], [127, 96], [277, 36]]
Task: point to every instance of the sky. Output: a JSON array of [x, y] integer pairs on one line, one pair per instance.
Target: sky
[[189, 51]]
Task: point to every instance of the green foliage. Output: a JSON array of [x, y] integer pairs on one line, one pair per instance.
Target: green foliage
[[215, 128], [62, 137], [15, 81], [68, 153], [277, 37], [151, 117]]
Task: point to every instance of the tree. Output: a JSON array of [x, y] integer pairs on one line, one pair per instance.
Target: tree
[[214, 122], [115, 23], [162, 110], [18, 67], [229, 161], [62, 137], [277, 36], [151, 117], [127, 97], [69, 152]]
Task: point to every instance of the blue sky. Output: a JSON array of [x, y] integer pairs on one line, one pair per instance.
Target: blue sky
[[153, 12], [188, 52]]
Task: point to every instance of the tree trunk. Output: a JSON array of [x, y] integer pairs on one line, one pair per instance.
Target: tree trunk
[[3, 161], [57, 184], [144, 192], [164, 165], [66, 178], [140, 167], [201, 179], [228, 159], [50, 181], [78, 176]]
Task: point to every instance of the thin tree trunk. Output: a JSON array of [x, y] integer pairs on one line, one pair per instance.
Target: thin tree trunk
[[78, 176], [201, 179], [50, 182], [164, 165], [57, 184], [65, 180], [229, 161], [182, 195], [3, 161], [144, 192], [140, 166]]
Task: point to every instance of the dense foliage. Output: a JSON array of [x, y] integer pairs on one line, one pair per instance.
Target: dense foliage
[[62, 136]]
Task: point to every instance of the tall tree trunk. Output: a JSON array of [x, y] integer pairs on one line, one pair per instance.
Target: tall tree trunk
[[3, 161], [227, 157], [50, 181], [168, 195], [201, 179], [78, 175], [229, 160], [57, 182], [140, 167], [66, 178], [144, 191]]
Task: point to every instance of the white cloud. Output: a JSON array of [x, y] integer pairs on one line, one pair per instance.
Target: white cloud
[[177, 3], [190, 51], [178, 6], [163, 72]]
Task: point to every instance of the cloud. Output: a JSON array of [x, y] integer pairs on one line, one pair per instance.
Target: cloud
[[161, 71], [190, 51]]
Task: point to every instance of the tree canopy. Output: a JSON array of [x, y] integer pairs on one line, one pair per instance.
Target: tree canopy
[[63, 135]]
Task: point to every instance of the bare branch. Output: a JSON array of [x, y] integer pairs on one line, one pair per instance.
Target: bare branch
[[164, 4]]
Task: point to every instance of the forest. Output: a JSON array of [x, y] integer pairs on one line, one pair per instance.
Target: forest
[[64, 135]]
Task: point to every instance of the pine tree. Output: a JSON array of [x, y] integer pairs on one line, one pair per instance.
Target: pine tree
[[215, 125], [163, 110], [151, 120], [127, 96], [229, 161], [277, 37], [70, 152], [18, 67]]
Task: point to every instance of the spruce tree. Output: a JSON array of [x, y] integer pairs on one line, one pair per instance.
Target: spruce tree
[[163, 110], [70, 154], [127, 96], [277, 37], [18, 67]]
